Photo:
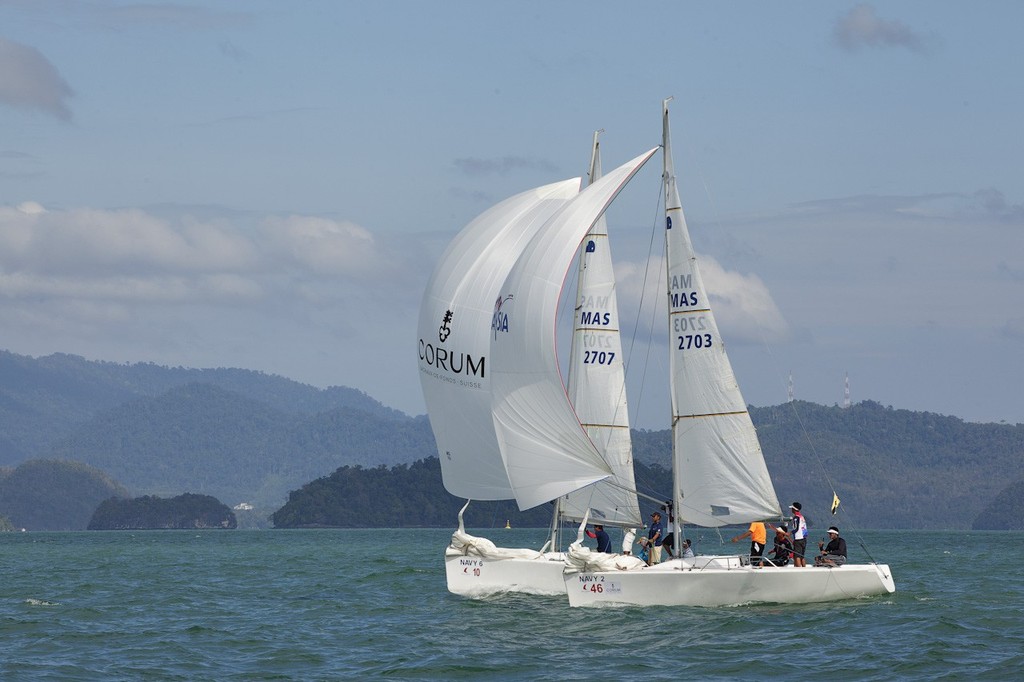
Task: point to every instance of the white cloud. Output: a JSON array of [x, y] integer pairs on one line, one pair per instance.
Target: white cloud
[[87, 241], [861, 27], [743, 304], [744, 308], [29, 81], [132, 255], [318, 300], [321, 245], [31, 208]]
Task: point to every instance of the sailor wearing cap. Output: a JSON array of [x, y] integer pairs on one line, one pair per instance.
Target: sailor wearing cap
[[834, 553], [799, 534], [654, 539]]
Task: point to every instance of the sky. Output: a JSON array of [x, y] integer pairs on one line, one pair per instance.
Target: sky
[[268, 185]]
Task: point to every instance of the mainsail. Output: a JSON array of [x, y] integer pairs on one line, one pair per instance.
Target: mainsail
[[596, 382], [719, 474], [455, 334], [546, 451]]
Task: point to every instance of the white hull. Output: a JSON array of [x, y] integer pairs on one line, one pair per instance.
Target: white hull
[[723, 581], [474, 576]]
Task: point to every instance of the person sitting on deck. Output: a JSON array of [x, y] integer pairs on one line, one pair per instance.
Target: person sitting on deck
[[834, 553], [782, 549]]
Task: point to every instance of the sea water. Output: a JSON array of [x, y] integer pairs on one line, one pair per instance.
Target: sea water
[[346, 604]]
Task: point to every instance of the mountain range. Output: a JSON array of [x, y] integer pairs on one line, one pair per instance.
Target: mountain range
[[246, 436]]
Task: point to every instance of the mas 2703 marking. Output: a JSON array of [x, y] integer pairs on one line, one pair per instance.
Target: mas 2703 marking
[[688, 341]]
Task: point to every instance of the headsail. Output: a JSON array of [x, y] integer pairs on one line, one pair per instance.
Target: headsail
[[455, 334], [546, 451], [720, 477], [597, 385]]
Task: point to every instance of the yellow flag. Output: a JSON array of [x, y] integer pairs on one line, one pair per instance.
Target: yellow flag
[[835, 502]]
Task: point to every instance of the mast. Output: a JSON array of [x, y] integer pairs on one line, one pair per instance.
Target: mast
[[593, 173], [672, 204]]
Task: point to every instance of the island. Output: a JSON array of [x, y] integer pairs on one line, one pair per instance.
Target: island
[[187, 511]]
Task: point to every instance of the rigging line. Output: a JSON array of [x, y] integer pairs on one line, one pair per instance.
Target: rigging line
[[643, 295], [807, 439], [645, 364], [761, 331], [821, 466]]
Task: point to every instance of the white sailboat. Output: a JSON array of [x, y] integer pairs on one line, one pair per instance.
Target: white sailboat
[[463, 313], [719, 475]]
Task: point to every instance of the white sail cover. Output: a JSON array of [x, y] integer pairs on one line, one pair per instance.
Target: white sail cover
[[455, 335], [597, 382], [546, 451], [719, 471]]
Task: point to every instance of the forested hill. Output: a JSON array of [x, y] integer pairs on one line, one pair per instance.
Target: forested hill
[[890, 469], [1005, 512], [246, 436], [411, 496], [205, 439], [45, 399], [50, 495], [239, 435]]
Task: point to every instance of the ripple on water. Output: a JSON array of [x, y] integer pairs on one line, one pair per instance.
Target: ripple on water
[[319, 605]]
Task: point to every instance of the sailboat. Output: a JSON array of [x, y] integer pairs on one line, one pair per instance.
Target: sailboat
[[462, 315], [719, 474]]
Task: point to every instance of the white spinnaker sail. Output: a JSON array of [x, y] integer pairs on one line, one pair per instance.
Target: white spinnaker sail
[[597, 382], [455, 335], [719, 470], [546, 451]]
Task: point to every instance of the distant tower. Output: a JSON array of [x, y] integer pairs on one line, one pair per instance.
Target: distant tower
[[846, 391], [790, 385]]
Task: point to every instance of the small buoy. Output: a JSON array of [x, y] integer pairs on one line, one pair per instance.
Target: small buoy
[[507, 524]]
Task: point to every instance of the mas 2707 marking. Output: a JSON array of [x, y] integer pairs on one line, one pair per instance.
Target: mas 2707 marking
[[598, 357]]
